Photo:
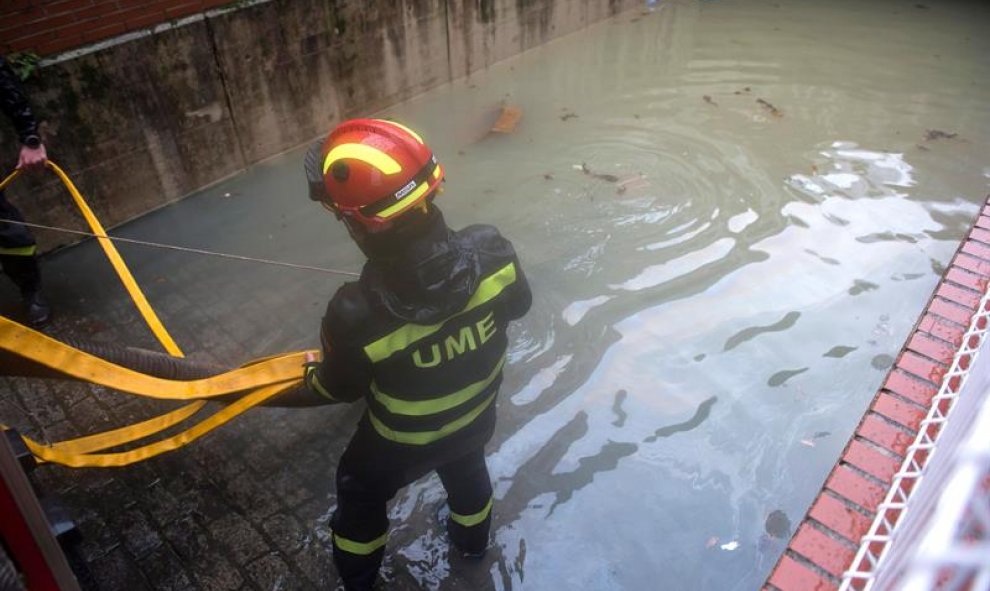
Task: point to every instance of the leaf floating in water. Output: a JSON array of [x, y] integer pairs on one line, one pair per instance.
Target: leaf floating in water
[[932, 135], [839, 351], [507, 119], [778, 525], [774, 111], [780, 377]]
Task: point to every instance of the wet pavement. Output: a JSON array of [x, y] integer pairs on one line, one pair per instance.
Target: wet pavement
[[731, 214]]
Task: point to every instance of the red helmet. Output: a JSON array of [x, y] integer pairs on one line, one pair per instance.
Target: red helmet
[[374, 171]]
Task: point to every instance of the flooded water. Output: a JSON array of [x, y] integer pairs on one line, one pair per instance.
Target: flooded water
[[731, 213]]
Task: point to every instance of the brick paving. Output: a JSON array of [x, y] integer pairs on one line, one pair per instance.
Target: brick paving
[[245, 507]]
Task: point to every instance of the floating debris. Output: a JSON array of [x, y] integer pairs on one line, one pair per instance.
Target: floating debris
[[807, 443], [508, 119], [583, 167], [746, 90], [709, 100], [820, 434], [547, 176], [769, 107], [729, 547], [711, 541], [932, 135], [568, 115]]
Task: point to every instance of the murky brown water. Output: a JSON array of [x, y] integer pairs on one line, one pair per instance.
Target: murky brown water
[[731, 213]]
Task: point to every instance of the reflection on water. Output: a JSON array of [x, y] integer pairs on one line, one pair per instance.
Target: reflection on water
[[730, 211]]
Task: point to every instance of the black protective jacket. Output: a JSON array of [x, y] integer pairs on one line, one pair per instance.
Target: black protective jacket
[[422, 338], [14, 104]]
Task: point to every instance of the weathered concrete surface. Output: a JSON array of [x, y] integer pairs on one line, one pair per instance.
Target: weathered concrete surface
[[143, 123], [483, 32], [293, 68], [136, 126]]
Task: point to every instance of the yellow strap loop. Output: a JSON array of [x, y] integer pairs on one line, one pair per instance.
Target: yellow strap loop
[[36, 347], [108, 460], [267, 377], [118, 264], [130, 433]]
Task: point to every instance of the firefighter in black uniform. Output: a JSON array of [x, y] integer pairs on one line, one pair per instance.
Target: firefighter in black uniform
[[421, 337], [18, 256]]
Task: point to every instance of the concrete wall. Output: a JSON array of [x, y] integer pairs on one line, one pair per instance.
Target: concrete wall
[[144, 122]]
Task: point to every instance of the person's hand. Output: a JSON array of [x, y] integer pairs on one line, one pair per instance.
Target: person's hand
[[32, 158]]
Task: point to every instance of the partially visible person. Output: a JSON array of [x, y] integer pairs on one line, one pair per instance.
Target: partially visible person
[[421, 338], [18, 250]]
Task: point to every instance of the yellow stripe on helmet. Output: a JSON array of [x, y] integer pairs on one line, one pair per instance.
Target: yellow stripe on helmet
[[364, 153], [405, 129], [436, 172], [405, 202]]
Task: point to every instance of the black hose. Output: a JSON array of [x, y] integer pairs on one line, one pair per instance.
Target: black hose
[[152, 363]]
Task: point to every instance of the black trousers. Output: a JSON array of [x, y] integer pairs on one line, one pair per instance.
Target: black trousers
[[17, 250], [370, 473]]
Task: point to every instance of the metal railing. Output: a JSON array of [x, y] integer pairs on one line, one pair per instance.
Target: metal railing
[[900, 517]]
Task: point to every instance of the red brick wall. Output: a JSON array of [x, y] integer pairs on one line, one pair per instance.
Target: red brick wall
[[48, 27]]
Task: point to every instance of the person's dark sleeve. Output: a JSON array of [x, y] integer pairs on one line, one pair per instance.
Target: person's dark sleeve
[[14, 104], [339, 377], [520, 297], [344, 374]]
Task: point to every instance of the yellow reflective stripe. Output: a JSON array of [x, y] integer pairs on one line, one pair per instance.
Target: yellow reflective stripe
[[364, 153], [361, 548], [474, 518], [405, 202], [314, 381], [436, 172], [19, 251], [419, 408], [401, 338], [425, 437], [404, 128]]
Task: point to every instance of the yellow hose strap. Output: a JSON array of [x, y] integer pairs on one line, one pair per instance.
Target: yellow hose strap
[[107, 460], [39, 348], [128, 434], [267, 377], [10, 177], [118, 264]]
